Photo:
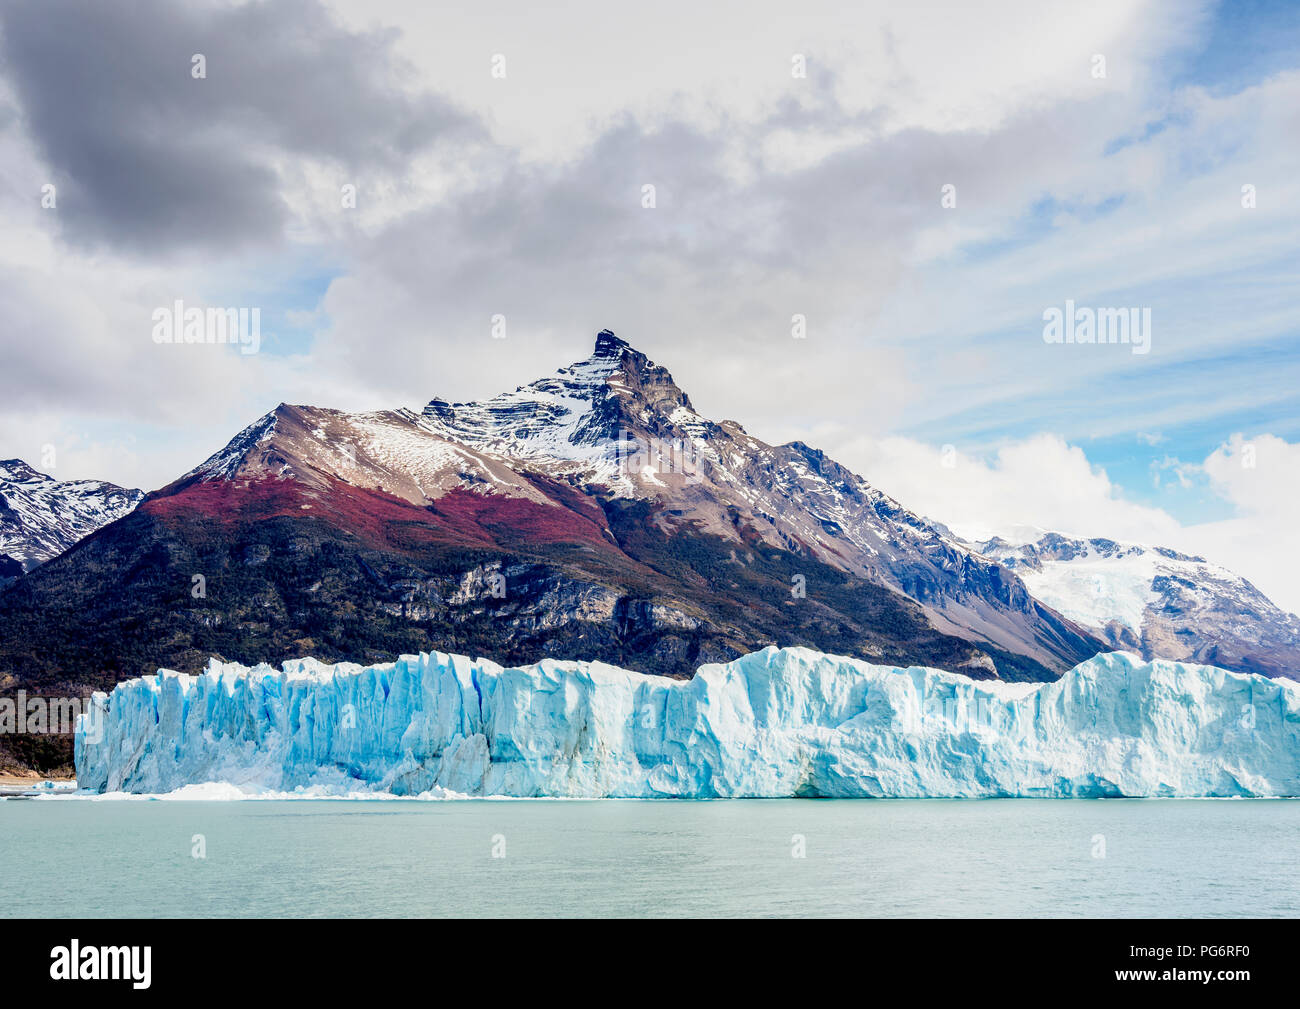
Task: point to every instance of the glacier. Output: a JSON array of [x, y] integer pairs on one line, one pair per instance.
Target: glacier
[[781, 722]]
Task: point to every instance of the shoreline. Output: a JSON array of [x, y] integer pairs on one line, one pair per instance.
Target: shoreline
[[10, 780]]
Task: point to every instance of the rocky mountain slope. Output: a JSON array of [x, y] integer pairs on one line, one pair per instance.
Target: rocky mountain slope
[[619, 426], [1159, 602], [41, 517]]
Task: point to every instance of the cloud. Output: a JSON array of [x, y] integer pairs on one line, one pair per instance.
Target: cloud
[[149, 159], [1261, 477], [1039, 483], [1043, 483], [926, 64], [169, 187]]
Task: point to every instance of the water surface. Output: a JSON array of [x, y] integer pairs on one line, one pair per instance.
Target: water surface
[[1015, 857]]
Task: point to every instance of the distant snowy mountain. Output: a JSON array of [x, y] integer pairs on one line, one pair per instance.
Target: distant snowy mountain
[[41, 517], [1157, 601]]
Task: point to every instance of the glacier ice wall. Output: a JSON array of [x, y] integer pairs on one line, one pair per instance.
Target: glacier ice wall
[[780, 722]]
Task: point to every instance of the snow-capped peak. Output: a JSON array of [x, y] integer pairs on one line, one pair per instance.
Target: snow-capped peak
[[582, 414], [226, 462], [40, 517], [17, 471]]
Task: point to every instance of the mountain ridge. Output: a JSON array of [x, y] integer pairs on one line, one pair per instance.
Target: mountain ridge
[[1157, 601]]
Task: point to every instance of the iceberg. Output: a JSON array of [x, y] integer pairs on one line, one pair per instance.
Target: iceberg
[[786, 722]]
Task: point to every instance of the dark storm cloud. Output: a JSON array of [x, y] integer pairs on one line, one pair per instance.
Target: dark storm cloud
[[148, 158]]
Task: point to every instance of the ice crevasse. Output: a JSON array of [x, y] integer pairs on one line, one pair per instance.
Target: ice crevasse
[[778, 722]]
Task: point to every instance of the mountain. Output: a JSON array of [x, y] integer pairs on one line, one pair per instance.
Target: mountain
[[41, 517], [593, 514], [1157, 601], [617, 425]]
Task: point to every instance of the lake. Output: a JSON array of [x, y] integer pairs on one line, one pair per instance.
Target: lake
[[965, 858]]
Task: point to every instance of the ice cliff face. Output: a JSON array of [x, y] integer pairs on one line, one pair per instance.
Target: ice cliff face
[[780, 722]]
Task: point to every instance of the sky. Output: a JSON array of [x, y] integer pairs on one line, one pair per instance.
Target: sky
[[921, 183]]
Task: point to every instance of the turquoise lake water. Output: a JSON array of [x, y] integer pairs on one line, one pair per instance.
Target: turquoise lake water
[[1014, 857]]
